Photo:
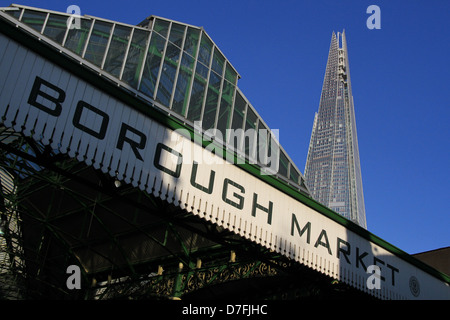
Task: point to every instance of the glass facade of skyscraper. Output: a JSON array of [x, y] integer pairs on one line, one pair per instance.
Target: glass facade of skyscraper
[[333, 171]]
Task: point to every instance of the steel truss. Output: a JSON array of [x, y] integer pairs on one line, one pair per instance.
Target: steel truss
[[57, 212]]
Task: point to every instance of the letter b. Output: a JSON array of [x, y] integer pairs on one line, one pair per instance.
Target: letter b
[[50, 95]]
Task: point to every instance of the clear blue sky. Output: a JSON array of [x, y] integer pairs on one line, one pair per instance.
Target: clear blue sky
[[400, 78]]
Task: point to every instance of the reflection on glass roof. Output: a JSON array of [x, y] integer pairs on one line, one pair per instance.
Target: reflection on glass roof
[[174, 65]]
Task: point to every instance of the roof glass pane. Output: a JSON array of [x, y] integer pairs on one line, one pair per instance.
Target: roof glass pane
[[238, 112], [191, 42], [177, 34], [152, 65], [181, 95], [251, 120], [283, 167], [250, 137], [226, 102], [204, 54], [34, 19], [218, 62], [198, 93], [202, 70], [162, 27], [230, 74], [274, 149], [294, 175], [14, 13], [135, 58], [168, 73], [209, 114], [56, 27], [196, 101], [76, 37], [214, 81], [98, 42], [263, 148], [117, 50]]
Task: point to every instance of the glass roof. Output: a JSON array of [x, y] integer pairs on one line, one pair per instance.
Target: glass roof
[[176, 66]]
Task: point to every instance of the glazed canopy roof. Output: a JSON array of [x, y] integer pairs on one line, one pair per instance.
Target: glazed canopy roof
[[174, 66]]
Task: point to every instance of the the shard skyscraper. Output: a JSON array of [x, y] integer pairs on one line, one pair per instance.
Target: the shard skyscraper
[[333, 171]]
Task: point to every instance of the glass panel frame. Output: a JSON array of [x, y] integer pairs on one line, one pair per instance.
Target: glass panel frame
[[56, 27], [133, 68], [168, 74], [283, 164], [263, 145], [152, 65], [199, 82], [234, 139], [250, 139], [230, 74], [34, 19], [294, 174], [223, 121], [191, 41], [218, 62], [183, 87], [117, 49], [98, 42], [196, 99], [238, 111], [212, 101], [161, 26], [177, 33], [205, 50], [15, 13], [76, 38]]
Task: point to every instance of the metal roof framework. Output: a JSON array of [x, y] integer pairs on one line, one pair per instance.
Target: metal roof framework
[[177, 68]]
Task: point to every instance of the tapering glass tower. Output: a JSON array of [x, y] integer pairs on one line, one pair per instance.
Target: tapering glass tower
[[333, 171]]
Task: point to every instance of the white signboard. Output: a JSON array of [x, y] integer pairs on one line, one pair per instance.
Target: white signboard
[[51, 105]]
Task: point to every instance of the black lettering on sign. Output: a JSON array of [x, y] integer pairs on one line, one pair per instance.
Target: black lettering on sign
[[100, 134], [157, 164], [208, 189], [239, 204], [53, 105], [135, 145], [268, 210]]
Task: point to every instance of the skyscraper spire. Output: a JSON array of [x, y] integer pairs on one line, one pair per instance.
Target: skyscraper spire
[[333, 171]]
